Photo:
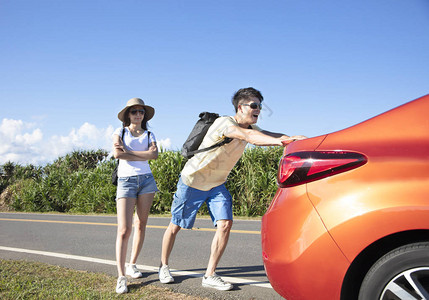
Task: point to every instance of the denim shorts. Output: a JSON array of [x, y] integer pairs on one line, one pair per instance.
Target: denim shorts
[[133, 186], [187, 201]]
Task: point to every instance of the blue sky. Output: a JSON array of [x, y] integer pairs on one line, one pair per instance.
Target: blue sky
[[68, 67]]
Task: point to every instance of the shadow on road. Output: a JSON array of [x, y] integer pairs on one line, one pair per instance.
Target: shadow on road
[[242, 271]]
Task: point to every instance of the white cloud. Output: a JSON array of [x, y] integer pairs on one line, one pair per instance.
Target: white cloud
[[30, 138], [24, 143], [11, 128], [87, 137], [165, 143]]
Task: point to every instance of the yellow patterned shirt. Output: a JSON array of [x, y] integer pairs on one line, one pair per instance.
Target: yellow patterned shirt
[[209, 169]]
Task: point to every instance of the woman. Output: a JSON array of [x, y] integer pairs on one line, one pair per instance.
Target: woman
[[134, 146]]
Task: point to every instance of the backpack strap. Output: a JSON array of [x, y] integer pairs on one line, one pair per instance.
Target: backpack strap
[[122, 137], [226, 140], [123, 132]]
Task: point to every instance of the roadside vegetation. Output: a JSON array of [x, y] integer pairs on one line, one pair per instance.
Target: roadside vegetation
[[34, 280], [80, 182]]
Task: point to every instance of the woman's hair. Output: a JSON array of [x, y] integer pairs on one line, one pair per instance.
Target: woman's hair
[[127, 120], [245, 94]]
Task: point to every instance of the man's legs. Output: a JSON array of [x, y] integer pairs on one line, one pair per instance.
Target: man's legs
[[168, 242], [186, 203], [220, 208], [220, 240]]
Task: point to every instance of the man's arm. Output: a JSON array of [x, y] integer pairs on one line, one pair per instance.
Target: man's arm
[[259, 138], [285, 138], [273, 134]]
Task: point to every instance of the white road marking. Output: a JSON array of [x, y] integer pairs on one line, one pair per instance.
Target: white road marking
[[141, 267]]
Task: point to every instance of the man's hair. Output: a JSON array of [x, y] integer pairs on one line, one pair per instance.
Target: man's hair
[[245, 94]]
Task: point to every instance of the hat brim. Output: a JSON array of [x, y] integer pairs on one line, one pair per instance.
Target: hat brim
[[149, 112]]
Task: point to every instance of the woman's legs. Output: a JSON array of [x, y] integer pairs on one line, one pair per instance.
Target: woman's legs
[[125, 210], [144, 202]]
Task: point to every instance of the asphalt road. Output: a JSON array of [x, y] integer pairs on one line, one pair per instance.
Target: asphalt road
[[88, 243]]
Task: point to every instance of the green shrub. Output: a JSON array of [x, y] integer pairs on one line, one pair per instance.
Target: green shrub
[[166, 170], [252, 182], [80, 183], [29, 195], [81, 160], [93, 192], [11, 172]]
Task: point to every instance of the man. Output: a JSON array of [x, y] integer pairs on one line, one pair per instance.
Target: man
[[203, 180]]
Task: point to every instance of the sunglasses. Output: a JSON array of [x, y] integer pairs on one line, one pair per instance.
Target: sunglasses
[[254, 105], [135, 111]]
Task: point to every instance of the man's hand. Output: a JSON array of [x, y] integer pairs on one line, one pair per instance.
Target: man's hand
[[292, 139]]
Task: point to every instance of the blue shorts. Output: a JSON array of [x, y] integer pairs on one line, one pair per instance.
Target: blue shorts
[[187, 201], [133, 186]]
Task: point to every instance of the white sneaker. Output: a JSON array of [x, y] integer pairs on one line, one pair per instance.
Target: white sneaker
[[121, 286], [133, 272], [216, 282], [165, 275]]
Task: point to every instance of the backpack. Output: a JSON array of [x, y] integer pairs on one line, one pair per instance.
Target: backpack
[[190, 147]]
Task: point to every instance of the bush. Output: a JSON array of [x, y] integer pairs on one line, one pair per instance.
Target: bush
[[166, 170], [252, 182], [80, 182], [28, 195], [11, 172], [93, 192], [49, 188]]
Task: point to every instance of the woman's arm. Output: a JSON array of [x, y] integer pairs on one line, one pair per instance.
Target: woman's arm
[[121, 152], [151, 153]]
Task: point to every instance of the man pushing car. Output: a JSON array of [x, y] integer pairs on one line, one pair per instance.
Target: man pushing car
[[204, 175]]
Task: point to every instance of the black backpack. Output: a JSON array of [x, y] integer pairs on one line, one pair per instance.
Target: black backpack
[[190, 147]]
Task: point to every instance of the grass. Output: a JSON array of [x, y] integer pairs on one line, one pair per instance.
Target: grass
[[34, 280]]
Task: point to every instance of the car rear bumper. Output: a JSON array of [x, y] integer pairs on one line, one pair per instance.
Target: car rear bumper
[[301, 259]]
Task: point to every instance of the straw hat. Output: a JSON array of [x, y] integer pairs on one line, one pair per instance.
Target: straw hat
[[149, 110]]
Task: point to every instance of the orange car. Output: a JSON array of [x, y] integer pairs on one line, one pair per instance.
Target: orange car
[[350, 219]]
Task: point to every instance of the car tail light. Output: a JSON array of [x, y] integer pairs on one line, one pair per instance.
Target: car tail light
[[302, 167]]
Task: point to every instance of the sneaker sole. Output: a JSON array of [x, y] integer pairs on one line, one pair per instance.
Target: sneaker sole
[[168, 280], [219, 288], [122, 292], [134, 276]]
